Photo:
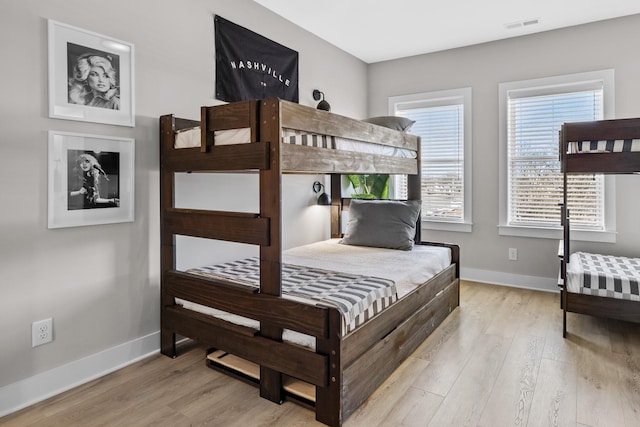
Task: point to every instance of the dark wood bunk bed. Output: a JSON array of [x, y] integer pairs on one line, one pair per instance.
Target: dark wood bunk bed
[[344, 368], [604, 147]]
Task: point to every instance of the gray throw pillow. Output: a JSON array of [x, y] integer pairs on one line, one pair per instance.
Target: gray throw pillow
[[392, 122], [382, 223]]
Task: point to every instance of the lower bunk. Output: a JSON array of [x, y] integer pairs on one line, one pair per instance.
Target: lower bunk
[[603, 286], [339, 365]]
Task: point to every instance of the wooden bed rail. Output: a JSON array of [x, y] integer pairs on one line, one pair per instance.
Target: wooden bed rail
[[250, 303], [237, 115], [228, 226], [295, 116], [278, 356], [611, 163], [238, 157], [602, 130]]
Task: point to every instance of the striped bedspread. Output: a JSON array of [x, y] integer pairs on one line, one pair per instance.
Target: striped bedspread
[[357, 297], [604, 275], [605, 146]]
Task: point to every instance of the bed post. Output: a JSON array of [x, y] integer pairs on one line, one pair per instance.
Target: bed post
[[271, 255], [414, 191], [167, 240], [336, 206], [566, 228], [329, 399]]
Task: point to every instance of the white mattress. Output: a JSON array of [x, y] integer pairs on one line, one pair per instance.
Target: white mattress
[[190, 138], [408, 269]]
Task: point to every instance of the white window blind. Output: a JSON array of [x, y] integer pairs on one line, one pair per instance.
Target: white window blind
[[535, 179], [441, 129]]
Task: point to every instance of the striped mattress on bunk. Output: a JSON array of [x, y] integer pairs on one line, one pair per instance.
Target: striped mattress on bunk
[[604, 146], [604, 275], [357, 297], [190, 138], [295, 137]]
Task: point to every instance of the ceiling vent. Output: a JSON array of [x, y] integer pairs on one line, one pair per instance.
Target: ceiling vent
[[521, 24]]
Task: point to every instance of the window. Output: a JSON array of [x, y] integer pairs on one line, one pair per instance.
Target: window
[[530, 176], [443, 122]]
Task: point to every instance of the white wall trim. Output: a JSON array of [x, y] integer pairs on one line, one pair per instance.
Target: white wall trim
[[508, 279], [37, 388]]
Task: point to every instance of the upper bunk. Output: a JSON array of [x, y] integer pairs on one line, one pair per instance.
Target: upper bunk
[[604, 146], [240, 136]]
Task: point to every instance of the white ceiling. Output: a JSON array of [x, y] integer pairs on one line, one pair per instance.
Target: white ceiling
[[381, 30]]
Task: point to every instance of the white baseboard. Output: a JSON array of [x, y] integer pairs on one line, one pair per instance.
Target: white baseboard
[[37, 388], [507, 279]]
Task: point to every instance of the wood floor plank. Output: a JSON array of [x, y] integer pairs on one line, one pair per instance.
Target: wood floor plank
[[541, 315], [447, 355], [293, 415], [415, 408], [450, 346], [554, 399], [512, 395], [506, 319], [382, 401], [599, 393], [152, 392], [624, 337], [629, 374], [464, 404], [566, 350]]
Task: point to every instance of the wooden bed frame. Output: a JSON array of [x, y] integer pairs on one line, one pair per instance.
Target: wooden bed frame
[[345, 370], [606, 163]]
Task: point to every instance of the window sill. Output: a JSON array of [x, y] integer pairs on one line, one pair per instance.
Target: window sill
[[463, 227], [556, 233]]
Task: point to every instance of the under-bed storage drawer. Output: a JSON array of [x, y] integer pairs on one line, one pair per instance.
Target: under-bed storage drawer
[[364, 375]]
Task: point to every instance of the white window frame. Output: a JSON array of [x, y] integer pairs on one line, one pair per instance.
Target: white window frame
[[441, 98], [543, 85]]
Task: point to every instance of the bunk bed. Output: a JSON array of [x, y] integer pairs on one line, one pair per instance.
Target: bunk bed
[[595, 284], [273, 137]]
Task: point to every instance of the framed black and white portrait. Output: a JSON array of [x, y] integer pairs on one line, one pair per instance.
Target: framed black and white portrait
[[91, 76], [91, 179]]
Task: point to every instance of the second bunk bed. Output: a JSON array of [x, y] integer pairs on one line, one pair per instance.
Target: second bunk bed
[[597, 284], [343, 364]]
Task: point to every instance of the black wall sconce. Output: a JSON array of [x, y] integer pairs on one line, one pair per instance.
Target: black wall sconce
[[322, 105], [323, 199]]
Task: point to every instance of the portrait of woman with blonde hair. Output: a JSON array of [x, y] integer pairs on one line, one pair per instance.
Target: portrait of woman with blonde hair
[[93, 81], [86, 181]]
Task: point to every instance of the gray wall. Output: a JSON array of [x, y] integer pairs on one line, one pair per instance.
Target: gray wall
[[101, 283], [602, 45]]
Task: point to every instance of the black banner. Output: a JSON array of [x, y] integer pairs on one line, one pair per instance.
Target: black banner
[[250, 66]]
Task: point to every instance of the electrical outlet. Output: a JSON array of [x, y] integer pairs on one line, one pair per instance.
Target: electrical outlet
[[41, 332], [513, 254]]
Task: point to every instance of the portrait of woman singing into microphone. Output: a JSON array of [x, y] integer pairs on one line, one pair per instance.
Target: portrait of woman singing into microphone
[[89, 186]]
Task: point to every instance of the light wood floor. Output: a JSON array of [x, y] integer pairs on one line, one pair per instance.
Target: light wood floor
[[498, 360]]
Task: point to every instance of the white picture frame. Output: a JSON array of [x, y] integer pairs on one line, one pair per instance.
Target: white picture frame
[[91, 76], [90, 179]]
